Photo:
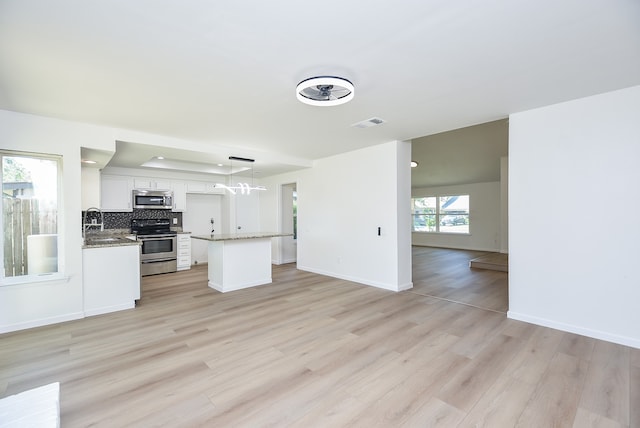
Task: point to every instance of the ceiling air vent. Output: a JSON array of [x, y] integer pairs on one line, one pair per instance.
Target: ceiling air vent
[[368, 123]]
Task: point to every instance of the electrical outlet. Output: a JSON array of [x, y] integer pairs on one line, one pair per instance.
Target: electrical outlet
[[175, 220]]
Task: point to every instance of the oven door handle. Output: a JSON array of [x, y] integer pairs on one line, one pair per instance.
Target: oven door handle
[[156, 238], [170, 259]]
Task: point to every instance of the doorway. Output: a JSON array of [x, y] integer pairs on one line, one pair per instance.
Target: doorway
[[289, 223], [197, 219]]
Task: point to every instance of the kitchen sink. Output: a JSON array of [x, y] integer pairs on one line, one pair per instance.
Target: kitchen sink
[[103, 239]]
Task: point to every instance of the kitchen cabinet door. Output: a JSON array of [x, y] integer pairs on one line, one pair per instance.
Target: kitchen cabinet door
[[145, 183], [116, 193], [162, 185], [179, 196], [111, 278]]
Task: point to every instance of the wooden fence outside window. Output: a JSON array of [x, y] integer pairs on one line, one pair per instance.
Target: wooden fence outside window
[[22, 218]]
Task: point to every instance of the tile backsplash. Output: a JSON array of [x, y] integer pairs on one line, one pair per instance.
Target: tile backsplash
[[122, 220]]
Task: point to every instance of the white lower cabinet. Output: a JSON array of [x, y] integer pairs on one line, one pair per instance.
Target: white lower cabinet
[[111, 278], [184, 251]]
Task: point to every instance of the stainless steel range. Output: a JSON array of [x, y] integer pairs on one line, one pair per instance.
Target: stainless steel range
[[159, 245]]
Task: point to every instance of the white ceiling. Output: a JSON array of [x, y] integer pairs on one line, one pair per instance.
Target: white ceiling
[[223, 73]]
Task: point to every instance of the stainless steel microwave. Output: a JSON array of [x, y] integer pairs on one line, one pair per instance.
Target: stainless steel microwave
[[153, 199]]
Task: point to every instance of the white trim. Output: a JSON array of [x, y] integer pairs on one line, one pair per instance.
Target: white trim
[[457, 247], [571, 328], [235, 287], [108, 309], [389, 287], [283, 262], [41, 322]]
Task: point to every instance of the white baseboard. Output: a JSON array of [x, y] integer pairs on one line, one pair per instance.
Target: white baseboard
[[41, 322], [220, 288], [108, 309], [283, 262], [488, 250], [384, 286], [570, 328]]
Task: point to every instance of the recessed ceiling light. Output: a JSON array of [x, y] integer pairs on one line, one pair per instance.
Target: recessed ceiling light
[[88, 161], [324, 91], [160, 157], [414, 164]]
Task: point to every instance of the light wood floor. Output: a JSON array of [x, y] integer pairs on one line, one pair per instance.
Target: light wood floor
[[312, 351], [491, 261], [445, 274]]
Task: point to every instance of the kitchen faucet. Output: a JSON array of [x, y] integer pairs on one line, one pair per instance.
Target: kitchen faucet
[[86, 225]]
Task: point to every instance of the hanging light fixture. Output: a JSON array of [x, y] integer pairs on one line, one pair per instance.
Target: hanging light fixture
[[325, 91], [243, 188]]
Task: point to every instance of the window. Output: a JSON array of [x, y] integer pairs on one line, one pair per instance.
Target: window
[[30, 215], [445, 214]]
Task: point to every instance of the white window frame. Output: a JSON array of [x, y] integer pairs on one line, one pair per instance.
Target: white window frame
[[53, 276], [438, 214]]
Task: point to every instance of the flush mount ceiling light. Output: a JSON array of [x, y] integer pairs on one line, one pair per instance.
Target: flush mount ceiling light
[[414, 164], [325, 91]]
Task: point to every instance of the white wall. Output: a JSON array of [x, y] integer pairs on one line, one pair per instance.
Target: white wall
[[504, 204], [574, 237], [341, 206], [90, 183], [484, 218], [34, 304]]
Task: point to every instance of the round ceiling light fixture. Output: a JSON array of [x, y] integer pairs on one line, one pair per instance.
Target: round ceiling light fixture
[[325, 91]]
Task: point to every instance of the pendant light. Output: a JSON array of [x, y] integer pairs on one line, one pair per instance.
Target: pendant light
[[243, 188]]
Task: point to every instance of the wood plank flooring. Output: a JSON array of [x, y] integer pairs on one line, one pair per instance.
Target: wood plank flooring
[[445, 274], [491, 261], [313, 351]]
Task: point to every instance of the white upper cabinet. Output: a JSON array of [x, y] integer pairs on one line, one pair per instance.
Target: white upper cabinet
[[115, 192], [151, 184], [179, 196]]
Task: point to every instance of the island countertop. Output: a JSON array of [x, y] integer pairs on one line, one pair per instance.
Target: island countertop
[[239, 236]]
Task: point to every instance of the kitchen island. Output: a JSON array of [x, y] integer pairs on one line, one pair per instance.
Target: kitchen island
[[239, 260]]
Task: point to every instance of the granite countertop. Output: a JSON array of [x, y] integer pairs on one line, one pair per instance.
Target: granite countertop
[[238, 236], [114, 238], [108, 239]]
